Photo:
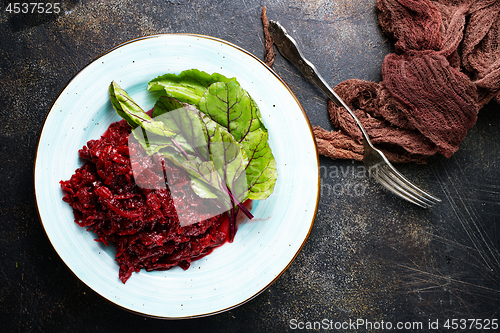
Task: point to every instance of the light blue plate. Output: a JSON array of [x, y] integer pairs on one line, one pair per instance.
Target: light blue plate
[[263, 248]]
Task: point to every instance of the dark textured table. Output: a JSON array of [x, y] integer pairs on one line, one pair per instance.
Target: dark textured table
[[370, 256]]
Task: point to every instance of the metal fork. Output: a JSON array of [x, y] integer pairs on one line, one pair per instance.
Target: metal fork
[[374, 160]]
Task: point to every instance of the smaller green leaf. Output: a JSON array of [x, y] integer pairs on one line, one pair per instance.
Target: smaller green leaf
[[125, 106], [133, 114]]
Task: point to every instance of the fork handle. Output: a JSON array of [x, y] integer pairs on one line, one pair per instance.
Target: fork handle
[[289, 49]]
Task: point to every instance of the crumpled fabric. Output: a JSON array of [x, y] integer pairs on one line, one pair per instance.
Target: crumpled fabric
[[481, 48], [431, 92]]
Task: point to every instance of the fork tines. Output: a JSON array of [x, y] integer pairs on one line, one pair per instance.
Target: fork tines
[[394, 181]]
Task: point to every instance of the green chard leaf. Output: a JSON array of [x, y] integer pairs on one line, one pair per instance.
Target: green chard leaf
[[189, 86], [132, 112], [232, 107]]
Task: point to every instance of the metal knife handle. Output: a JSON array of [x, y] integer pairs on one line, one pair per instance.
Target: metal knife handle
[[288, 47]]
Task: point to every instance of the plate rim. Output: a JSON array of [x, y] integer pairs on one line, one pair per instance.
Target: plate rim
[[304, 114]]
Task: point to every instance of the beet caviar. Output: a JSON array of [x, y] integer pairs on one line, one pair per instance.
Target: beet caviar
[[142, 223]]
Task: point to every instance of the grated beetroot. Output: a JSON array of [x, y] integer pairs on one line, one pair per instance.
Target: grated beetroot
[[142, 223]]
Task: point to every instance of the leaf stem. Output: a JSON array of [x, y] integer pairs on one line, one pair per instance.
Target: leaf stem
[[232, 222], [240, 205], [180, 148]]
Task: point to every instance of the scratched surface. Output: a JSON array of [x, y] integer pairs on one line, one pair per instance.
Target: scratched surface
[[369, 255]]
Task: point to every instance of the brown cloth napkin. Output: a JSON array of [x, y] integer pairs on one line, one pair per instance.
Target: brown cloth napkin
[[430, 92]]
